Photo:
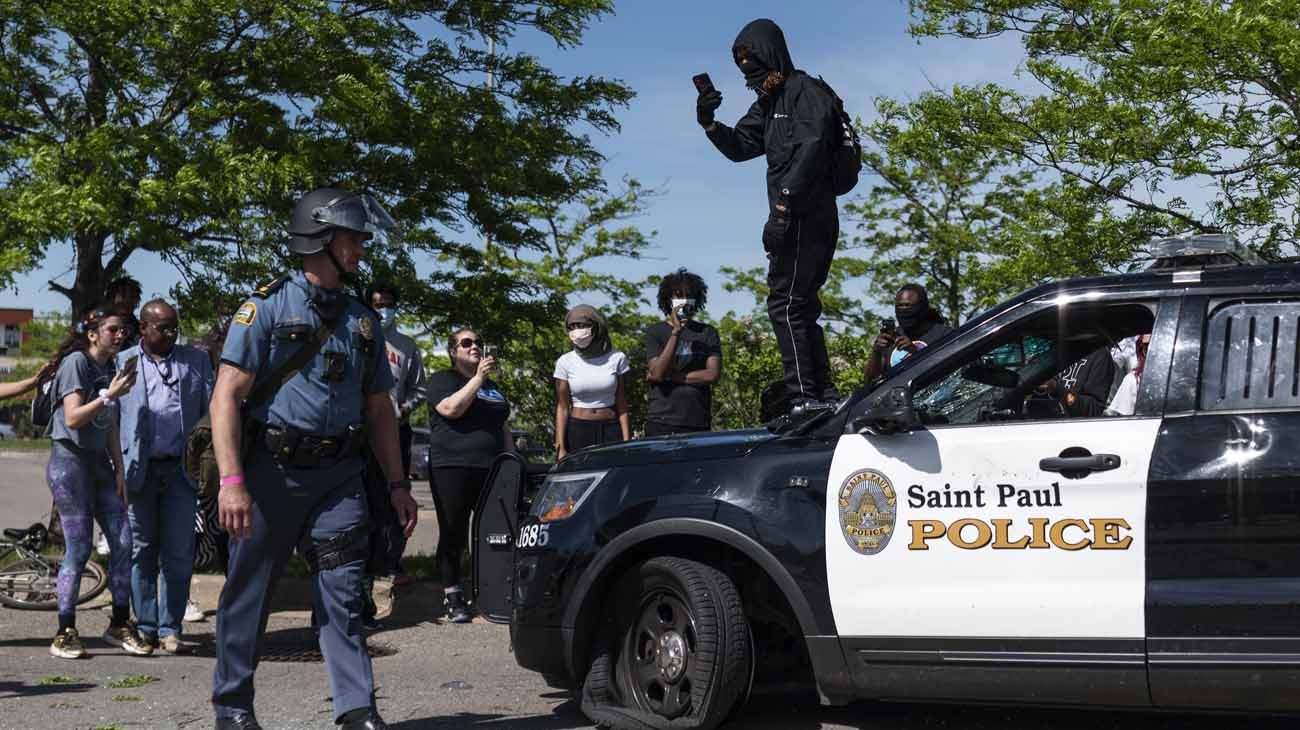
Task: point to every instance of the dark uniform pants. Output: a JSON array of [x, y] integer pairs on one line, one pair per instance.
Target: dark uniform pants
[[795, 274], [294, 507]]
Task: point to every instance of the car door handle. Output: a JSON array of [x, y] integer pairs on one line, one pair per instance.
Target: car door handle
[[1091, 463]]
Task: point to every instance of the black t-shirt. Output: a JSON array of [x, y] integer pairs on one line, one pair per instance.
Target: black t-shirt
[[474, 439], [933, 333], [682, 404]]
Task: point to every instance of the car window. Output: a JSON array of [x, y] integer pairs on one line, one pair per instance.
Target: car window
[[1251, 357], [1065, 362]]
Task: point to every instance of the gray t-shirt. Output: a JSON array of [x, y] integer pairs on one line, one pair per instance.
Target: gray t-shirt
[[79, 373]]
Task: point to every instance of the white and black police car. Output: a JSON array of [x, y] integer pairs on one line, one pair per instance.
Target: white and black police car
[[940, 535]]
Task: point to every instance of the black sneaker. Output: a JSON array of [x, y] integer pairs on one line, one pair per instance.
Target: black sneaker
[[457, 610]]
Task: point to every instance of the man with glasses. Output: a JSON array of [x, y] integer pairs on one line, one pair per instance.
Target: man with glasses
[[170, 395], [291, 463]]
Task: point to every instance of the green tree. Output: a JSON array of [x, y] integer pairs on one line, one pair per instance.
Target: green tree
[[973, 224], [190, 128], [751, 360], [1144, 101], [518, 298]]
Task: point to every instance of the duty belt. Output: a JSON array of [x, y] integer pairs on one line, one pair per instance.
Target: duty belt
[[297, 448]]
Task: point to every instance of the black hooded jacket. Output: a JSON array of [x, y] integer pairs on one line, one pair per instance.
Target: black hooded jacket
[[795, 126]]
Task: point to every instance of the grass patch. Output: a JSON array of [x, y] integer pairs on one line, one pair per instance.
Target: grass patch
[[108, 727], [65, 706], [54, 679], [127, 698], [131, 682], [25, 445], [422, 567]]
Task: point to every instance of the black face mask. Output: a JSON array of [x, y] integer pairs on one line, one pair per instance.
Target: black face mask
[[755, 73], [911, 319]]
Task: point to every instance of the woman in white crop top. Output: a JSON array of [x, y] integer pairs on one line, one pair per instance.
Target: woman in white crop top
[[590, 402]]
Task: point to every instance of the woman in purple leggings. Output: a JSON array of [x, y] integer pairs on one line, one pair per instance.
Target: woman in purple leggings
[[85, 475]]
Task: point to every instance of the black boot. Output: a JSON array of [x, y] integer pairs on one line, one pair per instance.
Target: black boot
[[362, 718], [238, 721]]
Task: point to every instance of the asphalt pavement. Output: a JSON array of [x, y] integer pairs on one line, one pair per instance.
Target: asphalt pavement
[[429, 674]]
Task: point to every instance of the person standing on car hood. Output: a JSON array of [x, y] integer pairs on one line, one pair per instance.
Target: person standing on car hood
[[794, 122]]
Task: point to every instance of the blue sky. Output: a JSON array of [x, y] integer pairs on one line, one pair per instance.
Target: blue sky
[[710, 211]]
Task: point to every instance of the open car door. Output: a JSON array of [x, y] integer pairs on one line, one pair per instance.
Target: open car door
[[496, 525]]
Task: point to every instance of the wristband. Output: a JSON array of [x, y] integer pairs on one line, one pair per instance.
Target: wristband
[[232, 479], [103, 397]]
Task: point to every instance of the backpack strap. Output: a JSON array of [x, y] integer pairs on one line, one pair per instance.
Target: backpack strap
[[269, 387]]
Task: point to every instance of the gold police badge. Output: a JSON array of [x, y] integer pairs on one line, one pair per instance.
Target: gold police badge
[[868, 508]]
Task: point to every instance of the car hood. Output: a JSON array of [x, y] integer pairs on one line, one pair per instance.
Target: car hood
[[667, 449]]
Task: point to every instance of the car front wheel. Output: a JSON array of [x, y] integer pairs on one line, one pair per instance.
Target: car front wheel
[[678, 654]]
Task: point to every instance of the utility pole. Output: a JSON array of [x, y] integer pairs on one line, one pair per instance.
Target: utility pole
[[491, 86]]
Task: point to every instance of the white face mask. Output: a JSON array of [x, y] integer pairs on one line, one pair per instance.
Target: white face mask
[[580, 337], [387, 317], [681, 302]]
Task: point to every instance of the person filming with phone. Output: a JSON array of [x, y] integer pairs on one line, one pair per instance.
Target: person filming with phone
[[916, 325], [685, 359], [173, 385], [795, 121], [468, 429]]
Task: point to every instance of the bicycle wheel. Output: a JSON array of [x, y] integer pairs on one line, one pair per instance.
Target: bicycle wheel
[[31, 583], [94, 579]]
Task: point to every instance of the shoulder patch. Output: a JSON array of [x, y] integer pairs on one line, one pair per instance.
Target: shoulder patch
[[269, 288], [246, 313], [366, 327]]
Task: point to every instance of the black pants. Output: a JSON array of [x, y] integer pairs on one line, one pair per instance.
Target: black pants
[[579, 434], [656, 428], [456, 491], [404, 436], [795, 275]]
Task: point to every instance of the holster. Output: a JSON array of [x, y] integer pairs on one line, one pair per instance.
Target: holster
[[349, 546]]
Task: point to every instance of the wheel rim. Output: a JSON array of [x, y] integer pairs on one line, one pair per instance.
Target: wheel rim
[[29, 580], [658, 654]]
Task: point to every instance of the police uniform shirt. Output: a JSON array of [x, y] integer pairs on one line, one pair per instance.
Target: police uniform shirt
[[267, 331]]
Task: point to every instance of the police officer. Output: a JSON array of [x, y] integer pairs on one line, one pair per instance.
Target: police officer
[[298, 479]]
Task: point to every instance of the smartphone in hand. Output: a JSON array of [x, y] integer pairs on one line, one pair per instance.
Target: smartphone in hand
[[130, 365], [702, 83], [887, 326], [491, 351]]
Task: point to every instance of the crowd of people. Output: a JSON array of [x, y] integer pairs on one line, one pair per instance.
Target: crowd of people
[[301, 401]]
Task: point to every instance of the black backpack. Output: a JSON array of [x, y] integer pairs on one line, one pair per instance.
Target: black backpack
[[846, 160], [43, 405]]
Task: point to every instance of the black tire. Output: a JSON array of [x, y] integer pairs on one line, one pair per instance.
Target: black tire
[[29, 583], [678, 655]]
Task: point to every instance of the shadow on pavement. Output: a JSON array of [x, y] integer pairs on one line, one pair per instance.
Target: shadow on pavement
[[20, 689], [779, 714], [565, 717]]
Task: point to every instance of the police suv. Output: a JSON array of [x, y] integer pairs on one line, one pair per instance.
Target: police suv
[[940, 535]]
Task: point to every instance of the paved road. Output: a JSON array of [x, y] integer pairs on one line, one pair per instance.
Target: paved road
[[433, 675]]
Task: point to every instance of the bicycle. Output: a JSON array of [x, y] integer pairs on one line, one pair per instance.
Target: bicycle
[[28, 579]]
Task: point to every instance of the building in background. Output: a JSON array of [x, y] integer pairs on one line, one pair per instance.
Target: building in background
[[13, 333]]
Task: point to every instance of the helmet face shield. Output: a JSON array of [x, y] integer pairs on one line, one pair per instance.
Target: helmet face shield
[[360, 213]]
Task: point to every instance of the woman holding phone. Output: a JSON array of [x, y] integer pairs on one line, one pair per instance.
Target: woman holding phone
[[468, 429], [86, 477]]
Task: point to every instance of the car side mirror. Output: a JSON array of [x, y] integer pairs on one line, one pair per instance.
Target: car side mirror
[[991, 375], [889, 412]]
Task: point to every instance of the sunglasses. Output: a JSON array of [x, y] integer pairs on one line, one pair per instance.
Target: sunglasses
[[467, 343], [166, 329], [113, 329], [578, 325]]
